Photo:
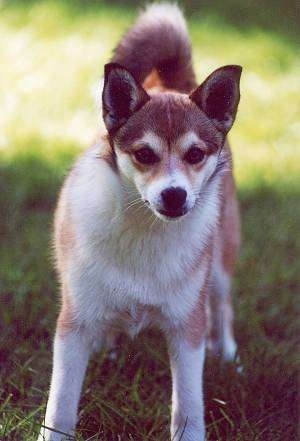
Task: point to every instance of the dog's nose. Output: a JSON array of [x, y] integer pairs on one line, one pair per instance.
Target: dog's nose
[[173, 198]]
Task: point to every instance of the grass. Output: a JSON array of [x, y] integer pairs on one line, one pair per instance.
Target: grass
[[52, 54]]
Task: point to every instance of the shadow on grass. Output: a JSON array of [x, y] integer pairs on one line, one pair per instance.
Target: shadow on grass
[[279, 16], [130, 396]]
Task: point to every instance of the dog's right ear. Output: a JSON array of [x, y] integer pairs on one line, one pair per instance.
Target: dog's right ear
[[121, 97]]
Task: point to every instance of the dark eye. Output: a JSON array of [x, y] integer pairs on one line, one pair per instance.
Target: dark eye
[[194, 155], [146, 155]]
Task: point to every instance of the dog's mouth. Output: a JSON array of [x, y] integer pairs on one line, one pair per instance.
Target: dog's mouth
[[165, 214], [173, 214]]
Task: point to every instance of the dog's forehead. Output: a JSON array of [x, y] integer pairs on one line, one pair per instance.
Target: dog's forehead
[[171, 115], [170, 118]]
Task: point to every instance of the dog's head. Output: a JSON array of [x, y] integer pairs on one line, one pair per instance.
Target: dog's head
[[168, 144]]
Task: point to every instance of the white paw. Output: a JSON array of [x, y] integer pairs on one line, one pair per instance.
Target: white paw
[[229, 350], [113, 354]]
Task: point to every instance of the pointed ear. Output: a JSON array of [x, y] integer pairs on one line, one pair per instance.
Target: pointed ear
[[218, 96], [121, 97]]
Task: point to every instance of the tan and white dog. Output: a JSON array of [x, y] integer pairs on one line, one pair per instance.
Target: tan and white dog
[[147, 227]]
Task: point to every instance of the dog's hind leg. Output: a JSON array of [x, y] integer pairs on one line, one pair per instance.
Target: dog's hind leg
[[221, 339]]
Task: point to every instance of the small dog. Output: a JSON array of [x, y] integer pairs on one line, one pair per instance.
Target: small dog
[[147, 225]]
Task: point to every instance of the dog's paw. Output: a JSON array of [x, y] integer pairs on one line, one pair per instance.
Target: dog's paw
[[229, 350], [113, 354], [112, 345], [238, 365]]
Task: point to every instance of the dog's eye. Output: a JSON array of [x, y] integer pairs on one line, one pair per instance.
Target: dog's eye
[[194, 155], [145, 155]]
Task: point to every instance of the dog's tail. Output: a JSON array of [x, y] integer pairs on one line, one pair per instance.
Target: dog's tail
[[159, 41]]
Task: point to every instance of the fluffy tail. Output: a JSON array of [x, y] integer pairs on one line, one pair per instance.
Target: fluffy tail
[[159, 40]]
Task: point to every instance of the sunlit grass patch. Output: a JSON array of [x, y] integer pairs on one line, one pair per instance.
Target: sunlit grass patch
[[51, 66], [52, 60]]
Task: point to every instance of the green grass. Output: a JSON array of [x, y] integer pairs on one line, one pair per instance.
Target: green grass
[[52, 54]]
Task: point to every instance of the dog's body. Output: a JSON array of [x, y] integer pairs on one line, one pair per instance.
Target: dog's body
[[122, 266]]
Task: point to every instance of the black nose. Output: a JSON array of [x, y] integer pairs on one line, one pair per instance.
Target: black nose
[[173, 198]]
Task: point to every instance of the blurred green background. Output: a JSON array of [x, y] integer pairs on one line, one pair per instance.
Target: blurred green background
[[51, 58]]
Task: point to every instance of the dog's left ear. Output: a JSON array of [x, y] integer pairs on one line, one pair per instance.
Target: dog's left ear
[[219, 95], [121, 97]]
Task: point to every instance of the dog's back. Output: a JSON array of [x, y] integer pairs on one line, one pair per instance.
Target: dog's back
[[122, 260]]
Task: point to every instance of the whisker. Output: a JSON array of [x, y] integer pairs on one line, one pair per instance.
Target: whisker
[[132, 204], [154, 222]]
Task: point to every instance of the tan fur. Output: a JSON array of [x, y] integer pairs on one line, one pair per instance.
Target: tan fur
[[230, 225], [107, 153], [153, 82], [195, 331], [66, 321], [64, 239], [196, 324]]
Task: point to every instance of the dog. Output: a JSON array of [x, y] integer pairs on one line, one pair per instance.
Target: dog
[[147, 223]]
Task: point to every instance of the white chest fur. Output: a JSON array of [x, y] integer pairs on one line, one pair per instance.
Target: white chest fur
[[123, 258]]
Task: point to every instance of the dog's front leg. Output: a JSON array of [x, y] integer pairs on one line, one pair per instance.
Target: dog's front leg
[[187, 397], [71, 353]]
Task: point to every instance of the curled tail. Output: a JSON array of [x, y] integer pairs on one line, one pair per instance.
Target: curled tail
[[159, 40]]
